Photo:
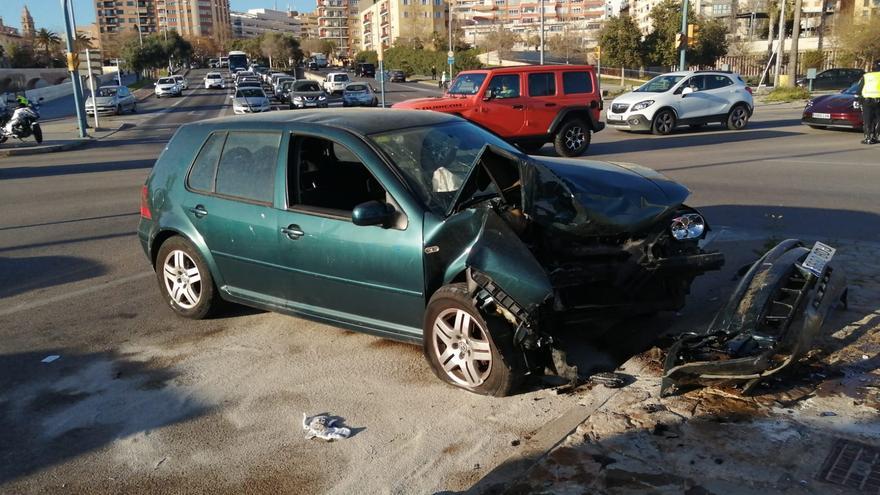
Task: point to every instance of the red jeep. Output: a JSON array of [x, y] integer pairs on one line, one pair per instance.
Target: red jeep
[[527, 105]]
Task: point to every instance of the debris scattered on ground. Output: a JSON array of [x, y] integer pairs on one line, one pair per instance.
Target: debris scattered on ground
[[609, 379], [514, 443], [826, 414], [50, 358], [322, 426], [160, 462]]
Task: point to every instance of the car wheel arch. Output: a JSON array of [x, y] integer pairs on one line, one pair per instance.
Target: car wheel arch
[[198, 242], [569, 113]]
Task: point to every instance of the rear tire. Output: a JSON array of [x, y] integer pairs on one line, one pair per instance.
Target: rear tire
[[466, 349], [38, 133], [572, 138], [185, 280], [738, 118], [664, 123]]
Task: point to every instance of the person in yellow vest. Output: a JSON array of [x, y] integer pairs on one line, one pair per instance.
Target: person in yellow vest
[[870, 99]]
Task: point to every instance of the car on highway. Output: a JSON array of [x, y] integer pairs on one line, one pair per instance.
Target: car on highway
[[840, 110], [276, 86], [365, 70], [283, 94], [397, 76], [182, 81], [837, 78], [111, 99], [250, 100], [269, 78], [306, 94], [359, 94], [528, 105], [335, 82], [693, 98], [167, 86], [416, 226], [215, 80]]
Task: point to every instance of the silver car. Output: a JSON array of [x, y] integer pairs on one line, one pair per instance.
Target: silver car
[[250, 100], [182, 81], [111, 99], [167, 86], [359, 95]]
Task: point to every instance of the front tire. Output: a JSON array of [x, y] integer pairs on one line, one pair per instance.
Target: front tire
[[38, 133], [738, 118], [572, 139], [466, 349], [664, 123], [185, 280]]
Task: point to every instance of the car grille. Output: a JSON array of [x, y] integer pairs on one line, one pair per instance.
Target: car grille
[[619, 107], [311, 98]]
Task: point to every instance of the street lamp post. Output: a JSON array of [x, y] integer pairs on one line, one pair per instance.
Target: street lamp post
[[451, 52], [74, 71], [682, 63], [542, 33]]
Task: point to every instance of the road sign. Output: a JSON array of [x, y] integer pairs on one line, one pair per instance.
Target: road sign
[[450, 54], [450, 60]]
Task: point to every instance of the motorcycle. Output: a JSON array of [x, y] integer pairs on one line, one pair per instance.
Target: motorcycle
[[22, 124]]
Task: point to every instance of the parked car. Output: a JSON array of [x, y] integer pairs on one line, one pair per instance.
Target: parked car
[[214, 80], [184, 84], [397, 76], [359, 95], [111, 99], [693, 98], [833, 79], [836, 110], [305, 94], [250, 100], [335, 82], [527, 105], [167, 86], [365, 70], [495, 252]]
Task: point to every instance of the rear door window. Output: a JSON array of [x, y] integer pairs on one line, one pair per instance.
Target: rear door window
[[717, 82], [577, 82], [542, 84], [247, 166], [201, 176]]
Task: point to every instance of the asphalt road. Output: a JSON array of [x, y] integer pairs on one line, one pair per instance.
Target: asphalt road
[[143, 401]]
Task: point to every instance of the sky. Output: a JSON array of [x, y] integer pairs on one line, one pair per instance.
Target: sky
[[48, 13]]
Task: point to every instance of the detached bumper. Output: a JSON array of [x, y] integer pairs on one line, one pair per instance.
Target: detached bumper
[[633, 122]]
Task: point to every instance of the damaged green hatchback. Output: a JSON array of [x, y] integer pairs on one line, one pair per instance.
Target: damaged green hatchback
[[416, 226]]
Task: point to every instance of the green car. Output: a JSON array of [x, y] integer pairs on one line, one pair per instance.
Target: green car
[[415, 226]]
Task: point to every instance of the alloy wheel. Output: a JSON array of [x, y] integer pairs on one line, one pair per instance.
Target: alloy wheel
[[183, 282], [738, 118], [664, 123], [574, 138], [462, 348]]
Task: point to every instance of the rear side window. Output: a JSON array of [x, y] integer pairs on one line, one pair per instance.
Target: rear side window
[[576, 83], [247, 166], [201, 177], [717, 82], [543, 84]]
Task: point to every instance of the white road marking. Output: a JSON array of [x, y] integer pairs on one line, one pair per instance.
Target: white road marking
[[816, 162], [76, 293]]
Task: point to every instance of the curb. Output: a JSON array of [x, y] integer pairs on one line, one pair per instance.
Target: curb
[[55, 148]]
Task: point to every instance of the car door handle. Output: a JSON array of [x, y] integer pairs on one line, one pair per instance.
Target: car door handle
[[199, 211], [293, 232], [518, 107], [549, 104]]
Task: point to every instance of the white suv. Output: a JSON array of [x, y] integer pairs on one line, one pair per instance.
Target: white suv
[[691, 98], [214, 80], [336, 82]]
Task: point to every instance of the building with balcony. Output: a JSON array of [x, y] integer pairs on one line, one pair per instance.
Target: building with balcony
[[390, 21], [308, 24], [255, 22], [118, 19], [195, 18]]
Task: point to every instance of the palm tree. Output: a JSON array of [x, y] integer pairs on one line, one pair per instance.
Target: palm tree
[[48, 40], [83, 42]]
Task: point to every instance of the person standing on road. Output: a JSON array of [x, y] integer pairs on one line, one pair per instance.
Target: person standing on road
[[870, 96], [433, 72]]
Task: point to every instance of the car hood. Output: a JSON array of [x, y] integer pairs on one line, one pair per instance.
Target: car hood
[[577, 197], [633, 97], [165, 86], [254, 101], [439, 104], [101, 100], [306, 93], [836, 103]]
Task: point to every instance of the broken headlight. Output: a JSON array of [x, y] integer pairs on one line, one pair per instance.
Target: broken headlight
[[688, 226]]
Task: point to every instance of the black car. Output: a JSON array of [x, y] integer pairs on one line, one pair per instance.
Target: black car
[[397, 76], [313, 66], [365, 70], [833, 79]]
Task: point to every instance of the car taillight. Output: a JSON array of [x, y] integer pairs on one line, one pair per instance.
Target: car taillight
[[145, 203], [749, 89]]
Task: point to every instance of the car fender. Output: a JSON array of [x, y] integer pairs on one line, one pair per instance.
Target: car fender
[[750, 107], [664, 107], [173, 225], [583, 112]]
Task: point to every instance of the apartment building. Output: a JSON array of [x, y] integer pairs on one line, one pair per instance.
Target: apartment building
[[337, 21], [119, 17], [579, 19], [308, 24], [387, 21], [256, 22], [195, 18]]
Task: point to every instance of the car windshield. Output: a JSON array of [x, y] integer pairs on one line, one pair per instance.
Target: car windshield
[[467, 84], [166, 80], [340, 78], [306, 86], [852, 90], [106, 91], [435, 160], [659, 84], [356, 87], [213, 76], [249, 93]]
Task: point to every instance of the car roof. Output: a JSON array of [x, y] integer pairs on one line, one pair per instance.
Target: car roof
[[528, 68], [357, 120]]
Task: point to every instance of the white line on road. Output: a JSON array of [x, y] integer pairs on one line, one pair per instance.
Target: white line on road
[[72, 294], [814, 162]]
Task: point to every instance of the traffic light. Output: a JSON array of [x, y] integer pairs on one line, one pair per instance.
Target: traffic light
[[679, 41], [693, 34]]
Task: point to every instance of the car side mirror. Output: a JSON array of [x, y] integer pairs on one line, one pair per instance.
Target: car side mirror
[[372, 213], [488, 96], [686, 91]]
